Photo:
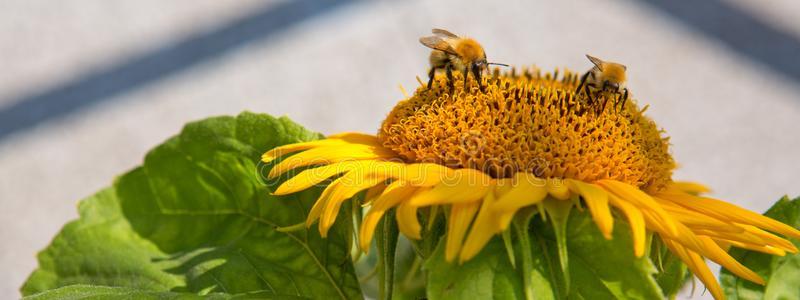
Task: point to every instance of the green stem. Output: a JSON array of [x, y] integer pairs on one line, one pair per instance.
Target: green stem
[[292, 228], [520, 224], [527, 259], [357, 215], [387, 234], [434, 212], [412, 272], [559, 210], [509, 247], [371, 274]]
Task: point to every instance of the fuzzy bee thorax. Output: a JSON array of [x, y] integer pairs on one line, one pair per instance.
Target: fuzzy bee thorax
[[613, 72], [469, 50]]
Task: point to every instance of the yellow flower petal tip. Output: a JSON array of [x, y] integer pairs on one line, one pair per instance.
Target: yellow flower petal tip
[[520, 140], [266, 158], [691, 187]]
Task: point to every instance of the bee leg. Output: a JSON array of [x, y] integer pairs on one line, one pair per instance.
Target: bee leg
[[587, 89], [605, 99], [476, 72], [589, 92], [583, 80], [431, 74], [466, 77], [449, 70], [603, 106], [624, 99]]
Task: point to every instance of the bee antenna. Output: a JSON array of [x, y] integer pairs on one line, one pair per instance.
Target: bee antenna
[[497, 64]]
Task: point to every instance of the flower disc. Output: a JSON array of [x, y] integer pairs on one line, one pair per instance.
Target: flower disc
[[530, 123]]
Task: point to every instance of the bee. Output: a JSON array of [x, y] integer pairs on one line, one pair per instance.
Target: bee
[[453, 52], [604, 76]]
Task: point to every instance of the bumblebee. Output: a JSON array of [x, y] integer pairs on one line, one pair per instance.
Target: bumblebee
[[605, 76], [453, 52]]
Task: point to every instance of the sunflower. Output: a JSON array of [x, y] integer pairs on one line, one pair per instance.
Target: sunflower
[[523, 140]]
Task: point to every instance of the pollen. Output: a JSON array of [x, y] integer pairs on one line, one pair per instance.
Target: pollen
[[529, 122]]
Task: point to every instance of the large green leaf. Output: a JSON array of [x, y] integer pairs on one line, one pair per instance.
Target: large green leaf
[[781, 273], [93, 292], [487, 276], [599, 268], [196, 218]]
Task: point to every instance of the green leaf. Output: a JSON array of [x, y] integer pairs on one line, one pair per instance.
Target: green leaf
[[599, 268], [91, 292], [673, 273], [604, 269], [781, 273], [197, 218], [487, 276]]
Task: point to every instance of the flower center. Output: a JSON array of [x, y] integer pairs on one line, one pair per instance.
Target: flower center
[[530, 123]]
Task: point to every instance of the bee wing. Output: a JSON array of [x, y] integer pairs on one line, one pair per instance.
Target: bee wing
[[437, 43], [444, 33], [596, 61]]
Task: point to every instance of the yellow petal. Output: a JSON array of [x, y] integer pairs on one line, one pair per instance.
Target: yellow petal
[[706, 247], [695, 220], [758, 248], [697, 266], [597, 201], [503, 186], [286, 149], [690, 187], [751, 235], [316, 209], [357, 138], [626, 192], [519, 191], [769, 238], [482, 230], [329, 155], [726, 211], [729, 262], [321, 203], [407, 221], [344, 188], [310, 177], [466, 185], [368, 229], [636, 221], [333, 140], [394, 193], [373, 193], [653, 223], [558, 189], [461, 215], [424, 174], [525, 190], [737, 237]]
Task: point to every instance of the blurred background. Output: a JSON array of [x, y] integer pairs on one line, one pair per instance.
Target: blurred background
[[87, 87]]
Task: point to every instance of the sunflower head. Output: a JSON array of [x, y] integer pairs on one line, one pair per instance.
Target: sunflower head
[[517, 145], [530, 123]]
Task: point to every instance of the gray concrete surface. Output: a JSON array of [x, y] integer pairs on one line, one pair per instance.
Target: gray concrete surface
[[732, 120]]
